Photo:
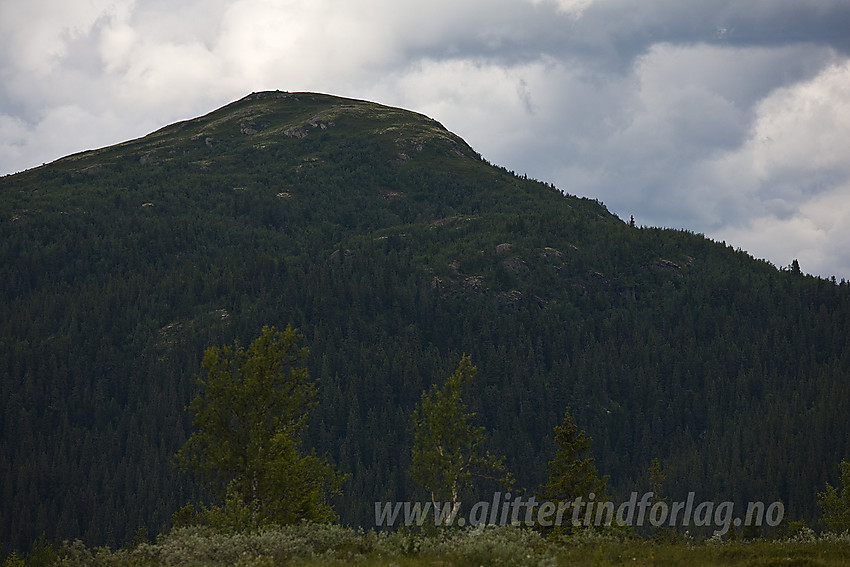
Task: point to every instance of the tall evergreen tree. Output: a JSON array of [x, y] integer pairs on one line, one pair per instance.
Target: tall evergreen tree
[[572, 473], [656, 481]]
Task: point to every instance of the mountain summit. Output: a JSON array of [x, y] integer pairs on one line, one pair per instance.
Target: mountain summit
[[396, 249]]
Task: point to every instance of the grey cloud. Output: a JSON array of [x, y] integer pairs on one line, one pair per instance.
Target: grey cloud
[[612, 33]]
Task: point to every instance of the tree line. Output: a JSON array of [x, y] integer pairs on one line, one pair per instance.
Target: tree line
[[247, 448]]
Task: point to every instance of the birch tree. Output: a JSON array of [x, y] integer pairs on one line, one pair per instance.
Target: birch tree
[[250, 414], [447, 449]]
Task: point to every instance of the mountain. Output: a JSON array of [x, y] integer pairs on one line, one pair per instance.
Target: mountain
[[396, 249]]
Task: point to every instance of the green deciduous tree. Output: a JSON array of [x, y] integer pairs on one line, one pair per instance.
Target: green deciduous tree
[[835, 503], [447, 449], [250, 415]]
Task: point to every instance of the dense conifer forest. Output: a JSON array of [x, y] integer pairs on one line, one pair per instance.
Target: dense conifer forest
[[395, 249]]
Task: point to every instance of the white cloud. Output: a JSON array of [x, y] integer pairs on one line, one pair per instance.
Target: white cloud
[[816, 235], [805, 128], [791, 179], [574, 8], [36, 32]]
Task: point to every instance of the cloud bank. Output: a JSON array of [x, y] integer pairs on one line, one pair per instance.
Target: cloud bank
[[729, 118]]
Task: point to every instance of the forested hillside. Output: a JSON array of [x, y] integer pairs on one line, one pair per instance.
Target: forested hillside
[[395, 248]]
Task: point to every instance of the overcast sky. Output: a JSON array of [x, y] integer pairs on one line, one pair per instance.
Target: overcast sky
[[725, 117]]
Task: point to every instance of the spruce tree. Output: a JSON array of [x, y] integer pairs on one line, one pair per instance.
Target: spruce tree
[[572, 473]]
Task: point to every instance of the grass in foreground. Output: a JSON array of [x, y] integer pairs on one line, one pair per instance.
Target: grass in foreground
[[320, 545]]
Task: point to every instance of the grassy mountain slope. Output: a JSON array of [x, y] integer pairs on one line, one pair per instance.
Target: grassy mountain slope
[[396, 249]]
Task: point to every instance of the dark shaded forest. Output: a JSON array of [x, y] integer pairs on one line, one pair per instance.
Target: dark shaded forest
[[395, 248]]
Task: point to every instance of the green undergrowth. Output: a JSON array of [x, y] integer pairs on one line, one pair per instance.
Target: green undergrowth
[[313, 544]]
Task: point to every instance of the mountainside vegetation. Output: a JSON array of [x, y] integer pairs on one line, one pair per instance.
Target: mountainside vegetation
[[396, 250]]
